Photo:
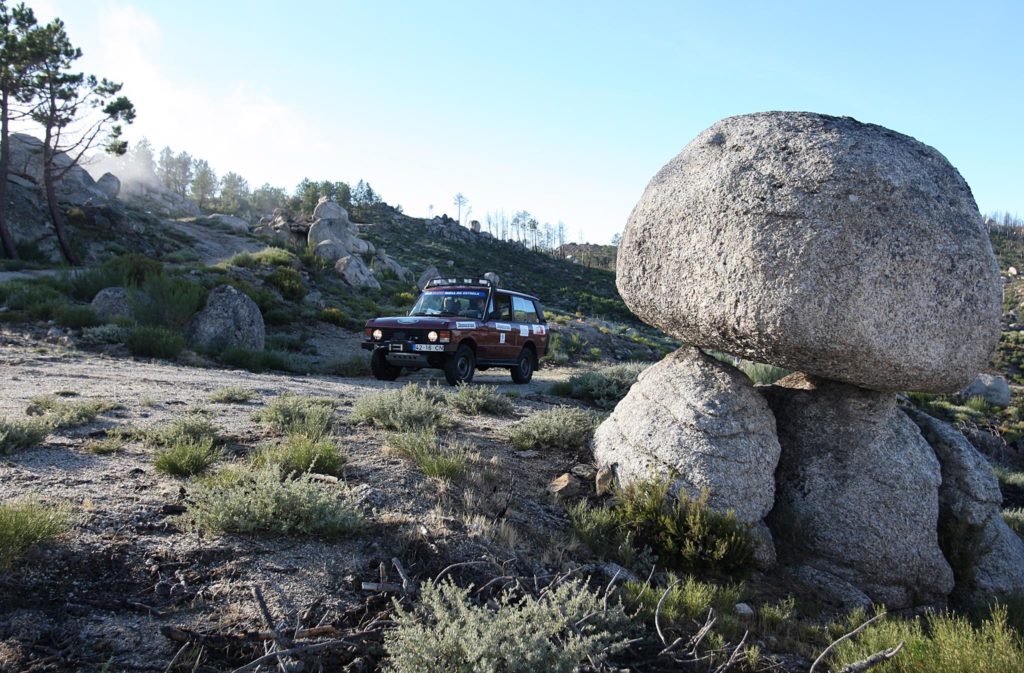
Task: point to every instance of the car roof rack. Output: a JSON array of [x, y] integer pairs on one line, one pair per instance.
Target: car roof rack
[[456, 281]]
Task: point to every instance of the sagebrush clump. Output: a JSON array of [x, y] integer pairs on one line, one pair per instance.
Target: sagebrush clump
[[64, 413], [479, 399], [408, 408], [21, 433], [446, 632], [312, 417], [561, 428], [603, 388]]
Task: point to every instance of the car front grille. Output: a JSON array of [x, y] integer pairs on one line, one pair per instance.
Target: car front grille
[[415, 335]]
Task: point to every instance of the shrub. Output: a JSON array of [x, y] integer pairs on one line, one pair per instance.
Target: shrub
[[445, 460], [561, 428], [336, 316], [762, 373], [76, 316], [155, 342], [476, 400], [298, 414], [240, 500], [121, 271], [166, 302], [977, 403], [193, 428], [288, 282], [408, 408], [563, 630], [62, 413], [186, 457], [602, 388], [355, 365], [21, 433], [26, 522], [683, 533], [105, 334], [33, 300], [1014, 518], [233, 395], [686, 599], [261, 361], [301, 453], [105, 446], [938, 643]]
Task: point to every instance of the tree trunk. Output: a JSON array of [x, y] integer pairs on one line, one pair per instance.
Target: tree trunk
[[51, 201], [5, 166]]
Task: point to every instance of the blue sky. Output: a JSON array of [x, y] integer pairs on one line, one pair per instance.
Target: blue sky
[[563, 109]]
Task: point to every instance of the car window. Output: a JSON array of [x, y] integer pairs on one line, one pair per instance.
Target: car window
[[540, 312], [524, 310], [463, 303], [501, 307]]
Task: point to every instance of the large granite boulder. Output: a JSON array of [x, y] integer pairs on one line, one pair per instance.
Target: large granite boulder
[[110, 185], [700, 424], [74, 185], [819, 244], [331, 210], [233, 222], [111, 303], [230, 319], [991, 556], [354, 271], [857, 493]]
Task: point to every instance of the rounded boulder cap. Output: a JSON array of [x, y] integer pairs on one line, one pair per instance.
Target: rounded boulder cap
[[819, 244]]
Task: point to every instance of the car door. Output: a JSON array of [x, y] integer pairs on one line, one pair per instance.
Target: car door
[[499, 322], [524, 312]]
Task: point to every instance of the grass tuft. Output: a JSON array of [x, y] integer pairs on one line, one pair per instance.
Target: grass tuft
[[603, 388], [64, 413], [186, 458], [445, 460], [561, 428], [300, 453], [298, 414], [233, 395], [21, 433], [475, 400], [155, 342], [26, 522]]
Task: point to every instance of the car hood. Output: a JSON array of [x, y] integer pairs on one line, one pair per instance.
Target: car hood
[[416, 322]]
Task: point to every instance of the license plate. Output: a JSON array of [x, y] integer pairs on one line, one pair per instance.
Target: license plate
[[427, 347]]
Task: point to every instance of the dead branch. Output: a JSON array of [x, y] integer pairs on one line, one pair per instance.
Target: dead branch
[[190, 637], [873, 660], [408, 585], [301, 649], [737, 654], [383, 586], [657, 613], [280, 642], [849, 635]]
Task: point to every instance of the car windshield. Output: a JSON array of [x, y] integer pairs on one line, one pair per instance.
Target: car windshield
[[462, 303]]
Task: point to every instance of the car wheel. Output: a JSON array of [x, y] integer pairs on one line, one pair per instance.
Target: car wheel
[[523, 371], [459, 368], [381, 368]]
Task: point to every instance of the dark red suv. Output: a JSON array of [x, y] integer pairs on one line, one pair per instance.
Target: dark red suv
[[461, 325]]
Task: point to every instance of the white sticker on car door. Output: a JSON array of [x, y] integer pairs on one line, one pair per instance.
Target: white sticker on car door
[[524, 330], [501, 338], [504, 326]]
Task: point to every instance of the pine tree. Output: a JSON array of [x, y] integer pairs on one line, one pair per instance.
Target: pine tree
[[204, 183]]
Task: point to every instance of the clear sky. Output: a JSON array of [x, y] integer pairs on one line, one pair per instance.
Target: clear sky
[[565, 109]]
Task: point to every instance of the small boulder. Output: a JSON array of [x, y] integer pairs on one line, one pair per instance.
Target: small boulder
[[230, 320], [565, 486], [857, 492], [702, 425], [493, 277], [428, 274], [990, 387], [474, 226], [819, 244], [353, 271], [110, 185], [329, 251], [236, 224], [970, 507], [111, 303], [331, 210]]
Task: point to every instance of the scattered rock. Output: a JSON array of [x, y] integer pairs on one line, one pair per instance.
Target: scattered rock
[[110, 185], [429, 273], [230, 320], [354, 272], [235, 223], [584, 472], [743, 610], [990, 387], [1012, 271], [819, 244], [701, 424], [493, 277], [604, 480], [857, 492], [565, 486], [474, 226], [110, 303], [970, 507]]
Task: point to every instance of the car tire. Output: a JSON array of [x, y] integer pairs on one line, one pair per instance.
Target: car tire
[[526, 364], [459, 368], [381, 368]]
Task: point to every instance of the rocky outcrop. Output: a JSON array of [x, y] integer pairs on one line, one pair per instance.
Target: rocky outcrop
[[989, 555], [335, 240], [233, 222], [75, 185], [425, 277], [355, 272], [705, 429], [990, 387], [819, 244], [230, 319], [857, 492], [111, 303], [110, 185]]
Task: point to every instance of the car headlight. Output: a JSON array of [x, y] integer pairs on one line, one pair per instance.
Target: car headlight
[[432, 336], [377, 335]]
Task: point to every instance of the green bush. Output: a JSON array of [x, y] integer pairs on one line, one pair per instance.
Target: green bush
[[186, 457], [233, 395], [686, 600], [561, 428], [355, 365], [301, 453], [122, 271], [155, 342], [683, 533], [242, 500], [76, 316], [261, 361], [32, 300], [404, 409], [565, 629], [937, 643], [445, 460], [475, 400], [603, 388], [563, 349], [762, 373], [26, 522], [312, 417], [162, 301], [288, 282], [192, 428], [21, 433], [63, 413], [265, 257], [1014, 518], [106, 334], [336, 316]]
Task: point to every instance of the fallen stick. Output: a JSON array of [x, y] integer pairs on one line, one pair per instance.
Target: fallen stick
[[301, 649], [179, 635], [873, 660], [849, 635]]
